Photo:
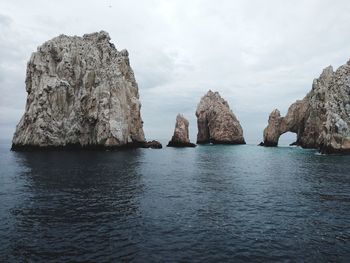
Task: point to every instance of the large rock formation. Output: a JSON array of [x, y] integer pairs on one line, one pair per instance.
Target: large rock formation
[[321, 120], [216, 122], [81, 93], [181, 135]]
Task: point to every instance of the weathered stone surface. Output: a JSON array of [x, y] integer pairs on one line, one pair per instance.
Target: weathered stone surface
[[321, 120], [181, 135], [272, 132], [81, 93], [216, 122]]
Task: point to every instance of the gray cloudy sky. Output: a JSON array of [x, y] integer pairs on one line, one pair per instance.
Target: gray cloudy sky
[[258, 54]]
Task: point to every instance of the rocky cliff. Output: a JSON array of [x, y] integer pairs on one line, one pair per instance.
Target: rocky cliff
[[321, 120], [216, 122], [81, 93], [181, 135]]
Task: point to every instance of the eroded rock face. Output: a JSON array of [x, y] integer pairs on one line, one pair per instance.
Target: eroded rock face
[[81, 93], [216, 122], [321, 120], [181, 135]]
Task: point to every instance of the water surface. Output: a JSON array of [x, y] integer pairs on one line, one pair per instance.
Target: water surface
[[209, 203]]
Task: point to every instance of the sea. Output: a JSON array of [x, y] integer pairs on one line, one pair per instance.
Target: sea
[[212, 203]]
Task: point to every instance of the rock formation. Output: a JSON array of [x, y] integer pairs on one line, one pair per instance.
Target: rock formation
[[181, 135], [216, 122], [82, 93], [152, 144], [321, 120]]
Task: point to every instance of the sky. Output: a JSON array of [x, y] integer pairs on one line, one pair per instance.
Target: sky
[[259, 55]]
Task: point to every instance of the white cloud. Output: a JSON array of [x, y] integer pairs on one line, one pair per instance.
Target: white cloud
[[258, 54]]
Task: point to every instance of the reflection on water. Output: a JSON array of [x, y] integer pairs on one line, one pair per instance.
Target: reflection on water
[[85, 198], [210, 203]]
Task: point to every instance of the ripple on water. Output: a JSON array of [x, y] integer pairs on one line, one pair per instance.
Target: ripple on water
[[209, 203]]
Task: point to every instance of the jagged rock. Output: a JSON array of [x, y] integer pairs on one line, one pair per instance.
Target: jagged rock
[[152, 144], [321, 120], [81, 93], [216, 122], [181, 136]]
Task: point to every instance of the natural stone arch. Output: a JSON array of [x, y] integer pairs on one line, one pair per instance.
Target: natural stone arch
[[322, 119], [292, 122]]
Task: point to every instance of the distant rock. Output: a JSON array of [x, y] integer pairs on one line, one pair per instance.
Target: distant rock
[[181, 135], [152, 144], [321, 120], [216, 122], [82, 93]]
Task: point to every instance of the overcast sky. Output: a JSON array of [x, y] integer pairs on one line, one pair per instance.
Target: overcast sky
[[259, 55]]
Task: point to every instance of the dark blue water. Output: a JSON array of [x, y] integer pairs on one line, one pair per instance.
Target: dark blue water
[[211, 203]]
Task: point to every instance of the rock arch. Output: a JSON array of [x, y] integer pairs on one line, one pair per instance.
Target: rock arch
[[322, 119], [292, 122]]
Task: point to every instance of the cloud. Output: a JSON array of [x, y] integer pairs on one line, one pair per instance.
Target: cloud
[[11, 77], [259, 55]]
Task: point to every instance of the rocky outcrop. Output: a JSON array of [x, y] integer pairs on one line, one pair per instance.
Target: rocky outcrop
[[181, 135], [321, 120], [82, 93], [152, 144], [216, 122]]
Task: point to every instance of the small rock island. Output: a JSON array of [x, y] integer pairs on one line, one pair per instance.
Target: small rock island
[[216, 122], [181, 135], [321, 120], [82, 93]]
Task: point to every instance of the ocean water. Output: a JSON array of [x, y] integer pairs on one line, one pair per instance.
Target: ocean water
[[205, 204]]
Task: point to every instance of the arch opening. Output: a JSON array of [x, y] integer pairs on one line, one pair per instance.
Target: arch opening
[[287, 138]]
